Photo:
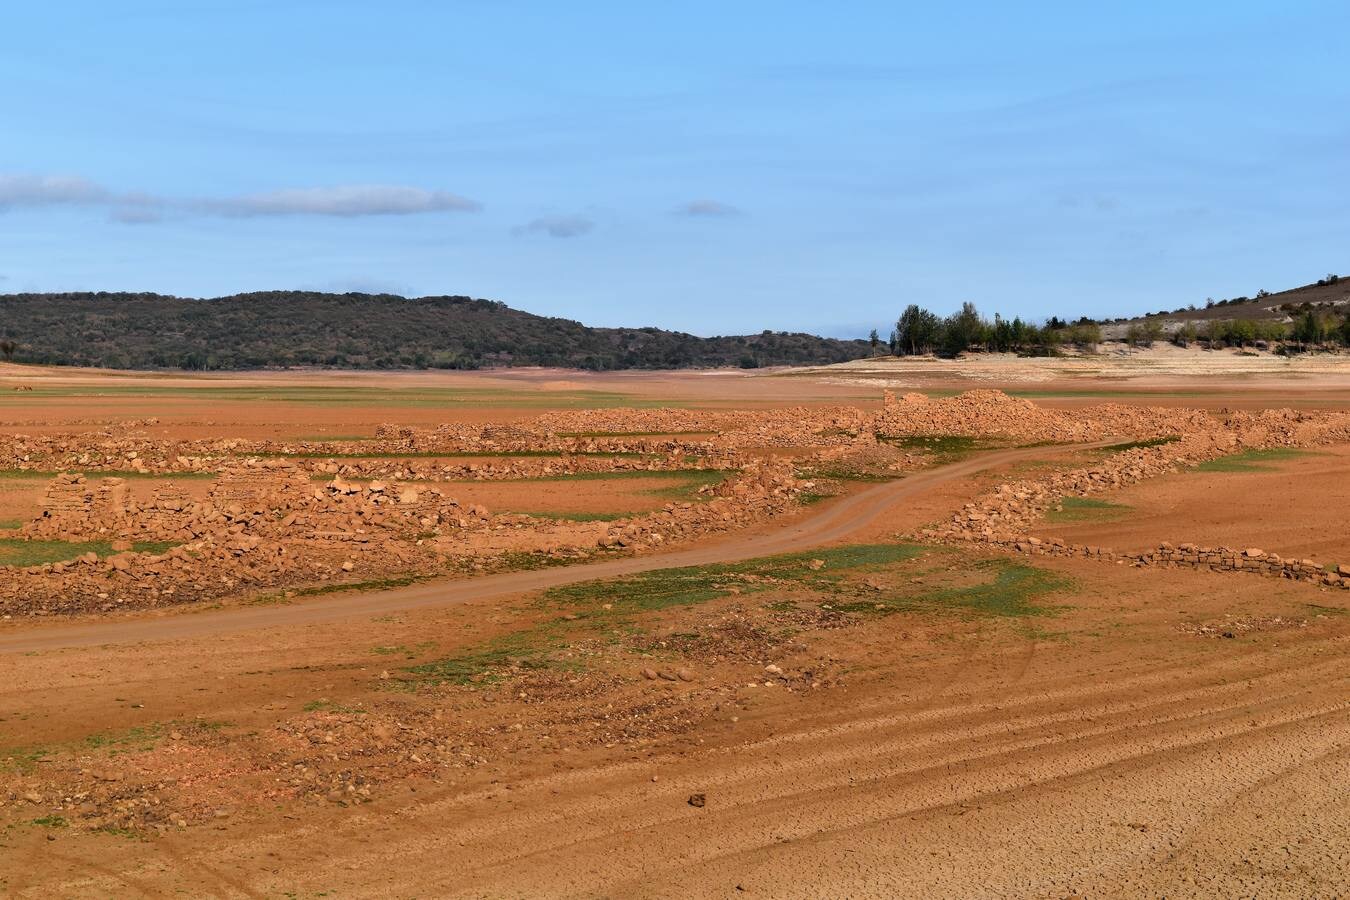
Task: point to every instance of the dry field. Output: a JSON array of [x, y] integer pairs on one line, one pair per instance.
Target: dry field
[[1084, 631]]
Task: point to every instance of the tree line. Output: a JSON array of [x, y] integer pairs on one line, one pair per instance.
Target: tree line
[[1310, 328], [919, 331]]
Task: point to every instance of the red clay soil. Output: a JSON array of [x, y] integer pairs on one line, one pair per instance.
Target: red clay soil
[[1079, 729], [1295, 507], [1104, 751]]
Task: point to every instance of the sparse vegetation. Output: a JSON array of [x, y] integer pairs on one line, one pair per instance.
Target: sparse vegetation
[[1150, 442], [1249, 460], [20, 552], [944, 448], [1085, 509], [1013, 591]]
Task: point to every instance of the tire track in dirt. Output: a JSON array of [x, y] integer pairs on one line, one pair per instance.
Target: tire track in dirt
[[564, 819], [869, 784], [828, 811], [606, 832], [1296, 735]]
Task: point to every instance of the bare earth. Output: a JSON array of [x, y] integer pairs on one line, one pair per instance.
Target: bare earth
[[953, 720]]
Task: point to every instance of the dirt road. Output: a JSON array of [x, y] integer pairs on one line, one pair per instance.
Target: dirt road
[[835, 522]]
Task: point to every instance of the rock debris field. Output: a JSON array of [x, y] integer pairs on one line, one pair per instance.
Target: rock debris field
[[282, 515], [818, 650]]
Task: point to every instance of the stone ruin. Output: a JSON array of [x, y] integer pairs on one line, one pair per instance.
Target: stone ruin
[[260, 484], [73, 508]]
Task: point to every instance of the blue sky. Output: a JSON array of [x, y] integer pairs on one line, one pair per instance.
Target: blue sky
[[711, 167]]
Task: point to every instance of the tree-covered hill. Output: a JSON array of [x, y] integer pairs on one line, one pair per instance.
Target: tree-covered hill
[[362, 331]]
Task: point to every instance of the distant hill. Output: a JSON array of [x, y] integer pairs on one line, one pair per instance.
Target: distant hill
[[363, 331], [1328, 295]]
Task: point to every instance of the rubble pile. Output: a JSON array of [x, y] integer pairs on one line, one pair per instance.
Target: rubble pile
[[762, 489], [1005, 517], [508, 469], [977, 413], [265, 525], [264, 522]]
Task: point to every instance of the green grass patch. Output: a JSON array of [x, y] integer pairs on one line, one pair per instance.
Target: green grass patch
[[1005, 590], [645, 592], [23, 759], [691, 481], [331, 706], [839, 473], [523, 649], [143, 737], [662, 588], [18, 552], [945, 448], [112, 743], [26, 474], [1136, 445], [525, 561], [118, 831], [374, 584], [1250, 460], [1085, 509], [10, 524], [1010, 591], [1323, 610], [51, 822]]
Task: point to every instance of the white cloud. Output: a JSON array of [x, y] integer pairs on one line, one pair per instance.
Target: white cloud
[[556, 226], [345, 201], [707, 208], [49, 190]]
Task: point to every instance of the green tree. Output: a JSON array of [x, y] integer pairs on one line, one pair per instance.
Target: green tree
[[917, 331], [964, 330], [1241, 332], [1186, 335], [1144, 334], [1310, 329]]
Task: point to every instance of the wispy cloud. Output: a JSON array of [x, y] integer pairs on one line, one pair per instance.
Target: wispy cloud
[[49, 190], [706, 209], [135, 208], [556, 226], [343, 200]]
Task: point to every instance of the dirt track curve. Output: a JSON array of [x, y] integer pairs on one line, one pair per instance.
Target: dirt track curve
[[837, 521]]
